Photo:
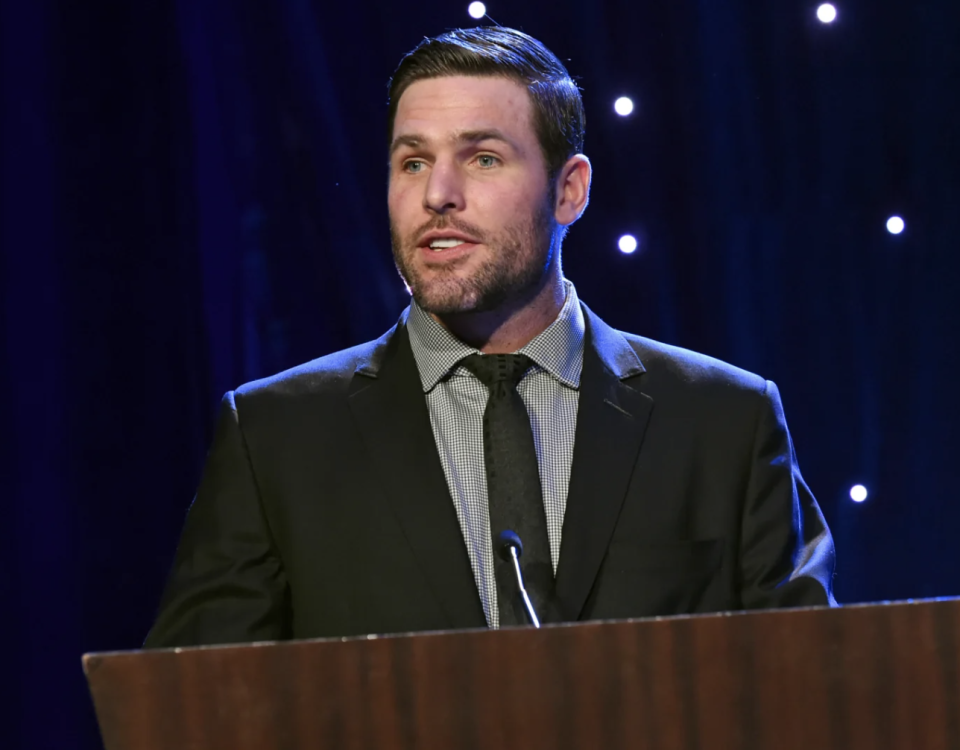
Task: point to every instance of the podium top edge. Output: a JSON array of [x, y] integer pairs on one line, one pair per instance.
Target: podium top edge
[[91, 657]]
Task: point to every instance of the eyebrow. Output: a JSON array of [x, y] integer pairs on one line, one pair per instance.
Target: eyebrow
[[461, 137]]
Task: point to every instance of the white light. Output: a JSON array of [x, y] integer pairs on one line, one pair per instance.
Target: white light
[[895, 225], [627, 244], [477, 10], [827, 13], [623, 106], [858, 493]]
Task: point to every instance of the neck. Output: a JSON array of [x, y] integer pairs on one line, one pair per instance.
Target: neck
[[513, 324]]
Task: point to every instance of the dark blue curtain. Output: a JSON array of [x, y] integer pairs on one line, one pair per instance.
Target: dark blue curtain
[[194, 196]]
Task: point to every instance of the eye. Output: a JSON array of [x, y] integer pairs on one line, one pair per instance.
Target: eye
[[485, 161], [413, 166]]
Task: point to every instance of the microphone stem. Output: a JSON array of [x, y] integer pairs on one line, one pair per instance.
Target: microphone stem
[[523, 591]]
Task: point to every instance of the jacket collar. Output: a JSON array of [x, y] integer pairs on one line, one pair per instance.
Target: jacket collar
[[612, 419], [391, 415], [610, 346]]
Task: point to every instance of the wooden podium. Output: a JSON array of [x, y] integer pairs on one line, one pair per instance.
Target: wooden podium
[[870, 677]]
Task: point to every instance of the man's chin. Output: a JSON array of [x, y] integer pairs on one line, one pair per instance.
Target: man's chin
[[443, 305], [456, 300]]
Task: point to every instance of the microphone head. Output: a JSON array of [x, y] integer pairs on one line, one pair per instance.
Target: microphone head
[[507, 539]]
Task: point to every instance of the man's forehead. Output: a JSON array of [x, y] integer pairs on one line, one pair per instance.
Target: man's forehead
[[447, 106]]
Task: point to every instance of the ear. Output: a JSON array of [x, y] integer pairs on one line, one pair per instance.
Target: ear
[[573, 189]]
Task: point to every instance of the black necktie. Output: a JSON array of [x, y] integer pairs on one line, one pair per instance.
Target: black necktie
[[513, 485]]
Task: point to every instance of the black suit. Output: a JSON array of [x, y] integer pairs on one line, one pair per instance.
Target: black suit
[[324, 510]]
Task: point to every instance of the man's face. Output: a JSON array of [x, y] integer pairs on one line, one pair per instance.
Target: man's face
[[470, 220]]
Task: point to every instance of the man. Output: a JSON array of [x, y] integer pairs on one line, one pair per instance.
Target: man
[[364, 492]]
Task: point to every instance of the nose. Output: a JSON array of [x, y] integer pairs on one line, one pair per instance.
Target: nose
[[444, 192]]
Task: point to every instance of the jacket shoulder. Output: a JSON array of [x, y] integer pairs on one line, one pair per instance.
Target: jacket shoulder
[[668, 364], [331, 372]]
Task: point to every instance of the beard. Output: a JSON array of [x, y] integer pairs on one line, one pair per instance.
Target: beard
[[517, 261]]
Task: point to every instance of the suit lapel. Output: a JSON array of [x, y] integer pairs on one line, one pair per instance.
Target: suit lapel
[[387, 401], [611, 420]]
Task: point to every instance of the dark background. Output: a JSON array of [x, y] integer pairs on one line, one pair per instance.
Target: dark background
[[194, 196]]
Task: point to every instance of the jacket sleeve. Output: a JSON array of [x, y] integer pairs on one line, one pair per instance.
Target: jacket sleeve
[[786, 555], [228, 583]]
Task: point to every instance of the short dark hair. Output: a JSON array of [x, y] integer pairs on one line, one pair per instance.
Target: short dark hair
[[508, 53]]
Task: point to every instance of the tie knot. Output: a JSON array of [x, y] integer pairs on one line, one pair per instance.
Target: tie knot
[[497, 368]]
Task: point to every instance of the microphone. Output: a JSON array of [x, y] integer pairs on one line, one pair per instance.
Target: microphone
[[511, 549]]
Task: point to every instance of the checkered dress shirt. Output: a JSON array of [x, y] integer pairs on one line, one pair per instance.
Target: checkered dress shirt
[[456, 401]]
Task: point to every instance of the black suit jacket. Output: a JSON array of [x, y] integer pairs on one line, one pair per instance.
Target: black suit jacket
[[323, 510]]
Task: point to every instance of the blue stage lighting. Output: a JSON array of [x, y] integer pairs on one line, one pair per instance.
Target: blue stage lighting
[[623, 106], [477, 10], [627, 244], [895, 225], [858, 493]]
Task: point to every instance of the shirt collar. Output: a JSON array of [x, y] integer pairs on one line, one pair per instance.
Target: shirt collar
[[558, 349]]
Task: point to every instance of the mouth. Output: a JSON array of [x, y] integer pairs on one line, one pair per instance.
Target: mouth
[[441, 247]]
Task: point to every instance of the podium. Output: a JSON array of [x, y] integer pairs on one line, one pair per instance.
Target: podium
[[859, 677]]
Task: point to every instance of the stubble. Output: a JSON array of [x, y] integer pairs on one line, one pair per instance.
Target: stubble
[[516, 264]]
